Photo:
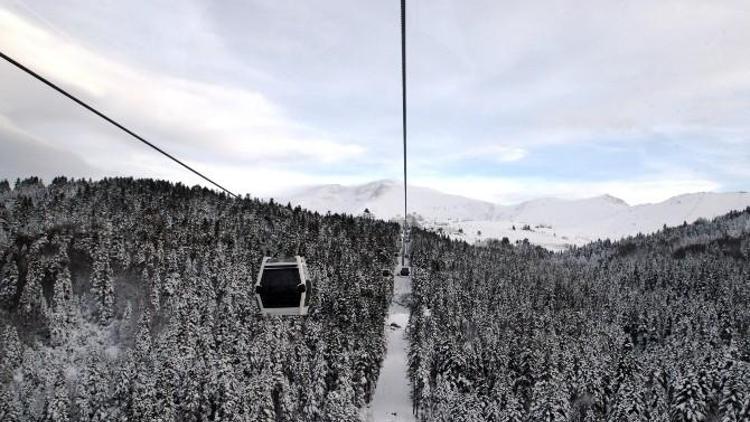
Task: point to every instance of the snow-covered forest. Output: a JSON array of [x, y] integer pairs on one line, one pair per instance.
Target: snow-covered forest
[[131, 300], [650, 328]]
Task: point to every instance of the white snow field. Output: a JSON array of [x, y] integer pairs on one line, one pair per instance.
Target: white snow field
[[385, 199], [553, 223], [391, 402]]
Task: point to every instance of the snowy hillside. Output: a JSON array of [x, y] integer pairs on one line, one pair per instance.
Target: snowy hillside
[[549, 222], [674, 211], [385, 200], [562, 213]]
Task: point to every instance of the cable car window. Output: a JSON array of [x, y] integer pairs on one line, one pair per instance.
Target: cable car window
[[279, 287]]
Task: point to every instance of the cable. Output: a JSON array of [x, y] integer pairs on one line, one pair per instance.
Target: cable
[[108, 119], [403, 115]]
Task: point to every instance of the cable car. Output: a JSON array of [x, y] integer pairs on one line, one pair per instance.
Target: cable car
[[283, 286]]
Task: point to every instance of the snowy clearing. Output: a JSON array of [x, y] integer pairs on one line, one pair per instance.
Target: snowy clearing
[[391, 402]]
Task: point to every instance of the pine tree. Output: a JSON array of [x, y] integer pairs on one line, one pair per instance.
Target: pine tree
[[744, 414], [339, 407], [12, 350], [144, 397], [9, 406], [102, 285], [259, 394], [513, 410], [629, 405], [62, 315], [32, 303], [690, 400], [313, 405], [8, 282], [92, 395], [172, 280], [549, 403], [731, 401], [59, 404], [153, 283]]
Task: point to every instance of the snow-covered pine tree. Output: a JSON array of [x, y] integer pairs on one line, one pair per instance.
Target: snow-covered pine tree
[[32, 302], [92, 393], [102, 284], [12, 351], [58, 405], [144, 404], [62, 315], [9, 406], [8, 281], [690, 400], [513, 411]]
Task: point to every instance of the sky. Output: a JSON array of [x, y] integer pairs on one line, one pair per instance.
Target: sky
[[508, 100]]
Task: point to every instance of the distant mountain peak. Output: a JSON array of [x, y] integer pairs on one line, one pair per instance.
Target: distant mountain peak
[[553, 221], [614, 200]]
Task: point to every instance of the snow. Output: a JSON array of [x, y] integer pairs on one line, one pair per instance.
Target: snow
[[385, 199], [582, 221], [555, 224], [674, 211], [391, 402]]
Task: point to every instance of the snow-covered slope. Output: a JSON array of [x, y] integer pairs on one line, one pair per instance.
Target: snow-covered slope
[[674, 211], [385, 200], [552, 223], [560, 212]]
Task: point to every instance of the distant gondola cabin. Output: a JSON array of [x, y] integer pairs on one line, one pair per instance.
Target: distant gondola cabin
[[283, 286]]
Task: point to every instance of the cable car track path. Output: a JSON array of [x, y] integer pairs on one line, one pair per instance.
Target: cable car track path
[[391, 402]]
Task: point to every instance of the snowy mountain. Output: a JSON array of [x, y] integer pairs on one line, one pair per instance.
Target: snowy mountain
[[648, 218], [385, 199], [562, 213], [550, 222]]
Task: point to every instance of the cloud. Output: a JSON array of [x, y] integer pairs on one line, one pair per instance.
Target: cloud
[[259, 181], [22, 155], [191, 118], [507, 99], [499, 153]]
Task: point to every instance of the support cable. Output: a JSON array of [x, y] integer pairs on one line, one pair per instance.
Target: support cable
[[403, 117]]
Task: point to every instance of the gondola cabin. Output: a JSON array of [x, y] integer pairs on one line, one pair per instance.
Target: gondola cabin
[[283, 286]]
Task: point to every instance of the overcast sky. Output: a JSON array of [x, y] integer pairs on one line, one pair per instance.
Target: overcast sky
[[509, 100]]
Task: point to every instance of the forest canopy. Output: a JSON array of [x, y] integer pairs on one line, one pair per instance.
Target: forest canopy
[[132, 299], [128, 299], [649, 328]]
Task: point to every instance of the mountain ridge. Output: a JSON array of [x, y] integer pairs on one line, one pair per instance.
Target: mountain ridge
[[554, 222]]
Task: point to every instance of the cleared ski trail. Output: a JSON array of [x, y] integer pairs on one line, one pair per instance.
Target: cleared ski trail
[[391, 402]]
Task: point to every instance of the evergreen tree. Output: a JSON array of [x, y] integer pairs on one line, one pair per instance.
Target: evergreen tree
[[8, 282], [59, 404], [102, 285], [92, 395], [144, 396], [63, 314], [690, 400], [513, 410], [9, 407], [12, 350], [32, 303]]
